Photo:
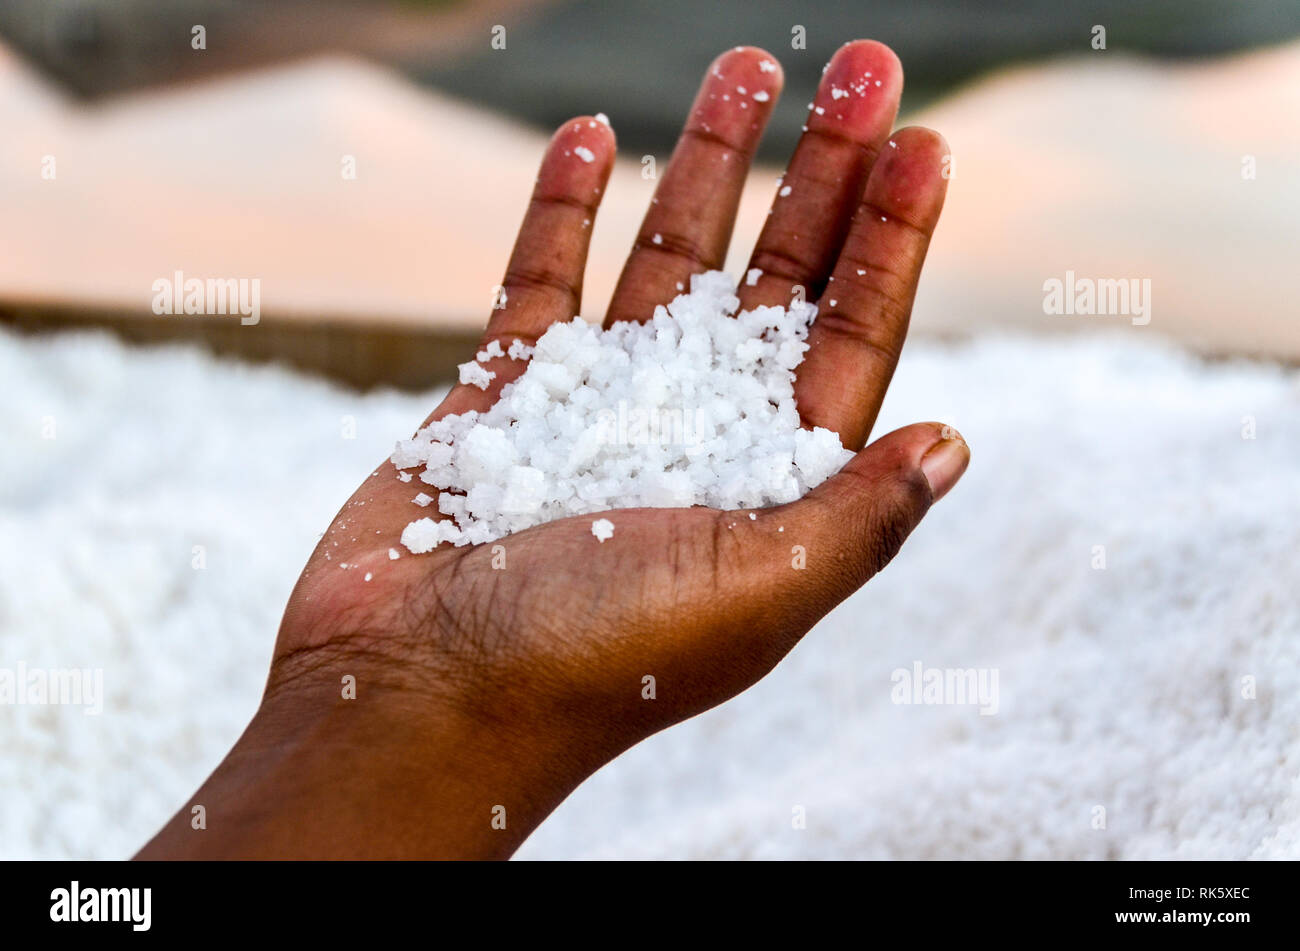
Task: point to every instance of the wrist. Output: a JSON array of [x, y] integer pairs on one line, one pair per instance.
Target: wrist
[[370, 769]]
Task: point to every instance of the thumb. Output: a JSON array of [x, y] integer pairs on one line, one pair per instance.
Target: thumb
[[853, 524]]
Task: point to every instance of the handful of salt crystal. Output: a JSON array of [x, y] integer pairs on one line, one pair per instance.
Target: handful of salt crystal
[[693, 407]]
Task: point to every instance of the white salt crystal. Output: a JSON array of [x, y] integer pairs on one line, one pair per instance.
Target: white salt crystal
[[519, 350], [692, 407], [394, 554], [761, 96], [602, 118], [752, 276], [766, 66], [369, 575], [493, 349], [603, 529], [785, 190], [422, 499], [585, 154], [475, 374]]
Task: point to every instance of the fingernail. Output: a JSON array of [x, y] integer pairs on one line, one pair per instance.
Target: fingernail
[[944, 464]]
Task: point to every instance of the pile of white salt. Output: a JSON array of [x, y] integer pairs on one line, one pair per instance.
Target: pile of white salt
[[693, 407]]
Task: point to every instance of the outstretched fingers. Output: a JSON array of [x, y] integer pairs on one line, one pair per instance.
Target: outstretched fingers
[[848, 122], [543, 281], [688, 225], [862, 315]]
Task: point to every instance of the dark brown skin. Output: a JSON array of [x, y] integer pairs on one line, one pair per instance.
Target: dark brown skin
[[480, 687]]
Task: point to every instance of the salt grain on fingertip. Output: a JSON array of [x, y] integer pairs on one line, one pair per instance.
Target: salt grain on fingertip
[[585, 154], [603, 529]]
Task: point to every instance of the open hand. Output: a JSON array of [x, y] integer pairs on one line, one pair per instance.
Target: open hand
[[490, 680]]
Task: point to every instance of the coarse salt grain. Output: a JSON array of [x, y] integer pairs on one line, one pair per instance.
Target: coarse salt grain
[[692, 407], [491, 351], [475, 374], [585, 154], [603, 529]]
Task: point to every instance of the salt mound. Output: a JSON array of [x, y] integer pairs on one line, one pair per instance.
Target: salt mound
[[694, 407]]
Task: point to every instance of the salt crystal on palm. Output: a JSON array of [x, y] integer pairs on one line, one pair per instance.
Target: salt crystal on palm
[[695, 406]]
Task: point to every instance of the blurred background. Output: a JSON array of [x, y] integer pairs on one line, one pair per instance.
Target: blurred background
[[1121, 550], [1171, 154]]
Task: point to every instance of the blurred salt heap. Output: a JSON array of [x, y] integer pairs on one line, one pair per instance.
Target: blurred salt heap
[[712, 422], [1119, 688]]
